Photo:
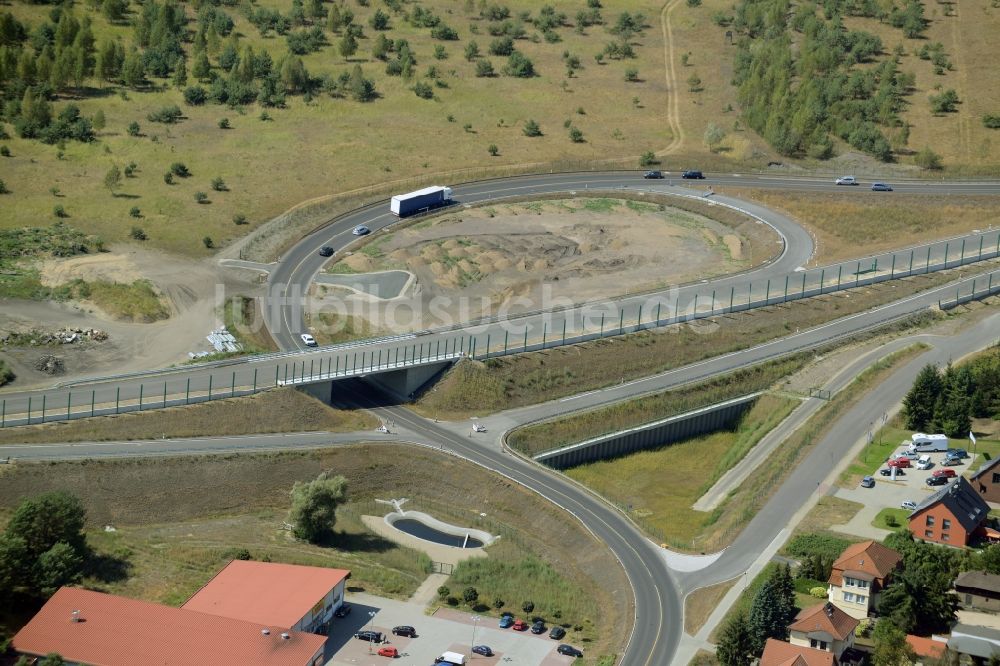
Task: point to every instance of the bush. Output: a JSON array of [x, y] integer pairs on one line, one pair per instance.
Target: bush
[[502, 46], [813, 543], [818, 592], [484, 69], [59, 211], [138, 234], [218, 184], [531, 128], [528, 606], [208, 243], [945, 102], [493, 150], [519, 65], [648, 158], [168, 178], [178, 169], [423, 90], [452, 601], [890, 521], [631, 75], [575, 135], [4, 151], [201, 197], [240, 219], [224, 123], [167, 114], [443, 591], [928, 159], [135, 212], [498, 603], [195, 96], [133, 129], [3, 188], [991, 121]]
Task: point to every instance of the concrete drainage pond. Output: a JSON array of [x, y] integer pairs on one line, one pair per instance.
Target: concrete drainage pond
[[428, 528]]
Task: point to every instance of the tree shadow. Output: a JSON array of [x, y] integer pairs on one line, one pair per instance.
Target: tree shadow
[[107, 568], [122, 195], [363, 542]]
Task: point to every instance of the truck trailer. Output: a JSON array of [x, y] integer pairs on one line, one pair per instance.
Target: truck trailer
[[425, 199], [922, 443]]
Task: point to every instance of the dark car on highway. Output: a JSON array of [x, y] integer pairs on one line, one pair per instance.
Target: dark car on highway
[[695, 175], [653, 174], [557, 633], [881, 187], [405, 630], [326, 251], [370, 636], [569, 651]]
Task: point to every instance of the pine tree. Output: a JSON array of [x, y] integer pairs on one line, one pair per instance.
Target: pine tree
[[347, 46], [953, 408], [919, 402], [735, 646], [133, 73], [772, 610], [201, 68], [180, 74]]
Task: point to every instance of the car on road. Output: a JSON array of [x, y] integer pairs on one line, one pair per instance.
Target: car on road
[[847, 180], [653, 174], [693, 175], [909, 505], [506, 621], [557, 633], [308, 340], [948, 473], [957, 453], [538, 627], [370, 636], [569, 651], [899, 462], [404, 630], [361, 230], [888, 471], [388, 652], [326, 251], [936, 480], [520, 625], [343, 611], [868, 482], [881, 187], [483, 650]]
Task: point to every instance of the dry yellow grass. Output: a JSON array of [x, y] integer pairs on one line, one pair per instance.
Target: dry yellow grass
[[277, 410], [698, 605], [847, 227]]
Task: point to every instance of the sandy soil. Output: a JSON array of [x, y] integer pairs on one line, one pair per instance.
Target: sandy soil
[[192, 288], [523, 256]]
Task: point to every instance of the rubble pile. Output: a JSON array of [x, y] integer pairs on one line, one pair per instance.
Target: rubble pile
[[50, 365], [62, 336]]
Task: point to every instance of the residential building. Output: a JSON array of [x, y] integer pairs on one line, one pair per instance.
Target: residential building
[[287, 596], [780, 653], [927, 649], [979, 642], [87, 627], [823, 627], [951, 515], [978, 590], [859, 575], [986, 481]]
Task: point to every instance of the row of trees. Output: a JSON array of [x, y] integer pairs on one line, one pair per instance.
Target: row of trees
[[772, 610], [797, 97], [947, 401]]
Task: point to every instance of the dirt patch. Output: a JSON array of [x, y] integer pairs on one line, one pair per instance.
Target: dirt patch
[[108, 266]]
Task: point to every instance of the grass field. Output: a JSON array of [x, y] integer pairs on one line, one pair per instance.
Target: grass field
[[179, 519], [243, 319], [698, 605], [330, 146], [847, 226], [890, 519], [657, 488], [278, 410]]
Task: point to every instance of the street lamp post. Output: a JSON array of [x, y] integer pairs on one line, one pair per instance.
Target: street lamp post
[[371, 624], [475, 621]]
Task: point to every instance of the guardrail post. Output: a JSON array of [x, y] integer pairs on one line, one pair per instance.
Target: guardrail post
[[875, 269], [784, 299], [802, 293], [946, 248], [961, 259], [892, 270], [164, 394], [981, 238], [489, 340], [990, 287], [857, 275], [254, 380], [621, 320], [311, 362], [69, 398], [506, 339], [767, 293], [998, 244], [3, 415], [732, 293], [927, 266], [694, 313], [713, 302], [336, 370], [286, 372], [277, 368], [840, 272], [93, 399], [44, 396], [525, 345], [545, 330], [638, 323], [564, 332], [749, 294], [473, 355], [910, 269], [677, 313], [602, 325], [29, 410], [295, 365], [232, 387], [210, 383], [973, 286], [187, 390], [141, 385], [118, 395]]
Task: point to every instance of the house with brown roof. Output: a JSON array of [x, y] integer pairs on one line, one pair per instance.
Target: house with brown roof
[[859, 575], [986, 481], [780, 653], [951, 515], [978, 590], [288, 596], [87, 627], [823, 627]]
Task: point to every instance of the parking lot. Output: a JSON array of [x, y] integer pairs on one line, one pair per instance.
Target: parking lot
[[446, 630], [911, 485]]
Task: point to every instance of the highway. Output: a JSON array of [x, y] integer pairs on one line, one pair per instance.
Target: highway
[[658, 596]]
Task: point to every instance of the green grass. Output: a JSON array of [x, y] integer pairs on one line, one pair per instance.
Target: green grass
[[636, 482], [898, 517], [340, 268], [6, 374], [137, 301], [815, 543]]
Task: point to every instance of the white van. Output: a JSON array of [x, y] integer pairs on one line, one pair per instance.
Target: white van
[[924, 462], [455, 658], [924, 443]]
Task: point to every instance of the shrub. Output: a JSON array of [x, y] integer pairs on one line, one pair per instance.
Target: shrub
[[631, 75], [178, 169], [528, 606], [575, 135], [452, 601], [218, 184], [498, 603], [133, 128], [484, 69], [423, 90], [648, 158], [138, 234], [814, 543], [168, 178], [3, 188], [167, 114], [130, 169], [493, 150], [224, 123], [201, 197], [991, 121], [531, 128], [502, 46], [59, 211], [519, 65], [818, 592], [208, 243], [945, 102], [195, 95], [890, 521], [240, 219], [4, 151], [443, 591], [928, 159], [470, 595], [135, 212]]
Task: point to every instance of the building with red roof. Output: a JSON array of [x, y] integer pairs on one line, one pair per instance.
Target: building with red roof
[[823, 627], [289, 596], [859, 575], [87, 627], [780, 653]]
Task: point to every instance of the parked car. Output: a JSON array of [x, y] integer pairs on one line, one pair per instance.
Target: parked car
[[847, 180], [951, 461], [569, 651], [910, 506], [888, 471], [958, 453], [405, 630], [557, 633], [520, 625], [909, 455], [326, 251], [360, 230], [924, 462], [693, 175], [868, 482], [948, 473], [506, 621], [936, 480], [538, 627], [343, 611], [308, 340], [388, 652], [370, 636], [653, 174], [483, 650], [881, 187], [899, 462]]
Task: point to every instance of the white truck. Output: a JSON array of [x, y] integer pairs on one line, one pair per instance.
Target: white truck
[[922, 443], [402, 205], [455, 658]]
